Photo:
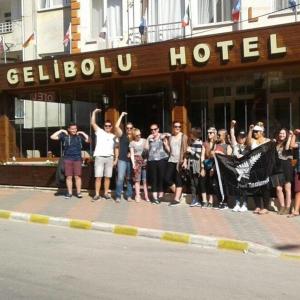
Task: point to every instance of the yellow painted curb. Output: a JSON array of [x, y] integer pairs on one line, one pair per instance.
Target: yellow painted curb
[[125, 230], [176, 237], [5, 214], [80, 224], [290, 256], [39, 219], [233, 245]]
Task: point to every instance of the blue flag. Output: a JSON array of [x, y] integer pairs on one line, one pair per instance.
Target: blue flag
[[292, 5]]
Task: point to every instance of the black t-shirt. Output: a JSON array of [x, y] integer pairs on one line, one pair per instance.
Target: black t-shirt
[[123, 147], [72, 146]]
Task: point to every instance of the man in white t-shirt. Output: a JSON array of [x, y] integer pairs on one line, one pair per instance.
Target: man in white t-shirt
[[105, 155]]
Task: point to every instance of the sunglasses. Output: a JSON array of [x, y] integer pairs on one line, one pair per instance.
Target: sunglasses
[[177, 126], [255, 131], [210, 132], [107, 125], [153, 129]]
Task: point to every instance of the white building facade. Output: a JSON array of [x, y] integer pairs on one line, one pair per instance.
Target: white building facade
[[101, 24]]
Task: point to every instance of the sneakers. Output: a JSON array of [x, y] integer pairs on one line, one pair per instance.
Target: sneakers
[[223, 206], [195, 203], [79, 195], [209, 205], [118, 200], [155, 201], [237, 208], [96, 197], [68, 196], [174, 203], [107, 196], [129, 199], [244, 208]]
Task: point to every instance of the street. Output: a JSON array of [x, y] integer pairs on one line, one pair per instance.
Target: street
[[47, 262]]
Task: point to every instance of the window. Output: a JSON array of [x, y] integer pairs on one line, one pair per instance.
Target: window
[[212, 11], [114, 19], [282, 4], [47, 4], [97, 17]]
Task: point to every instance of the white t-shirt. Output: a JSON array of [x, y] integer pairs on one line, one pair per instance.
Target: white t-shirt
[[105, 143]]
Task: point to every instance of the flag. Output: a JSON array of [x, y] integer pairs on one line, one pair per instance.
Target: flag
[[2, 45], [292, 5], [30, 40], [248, 173], [103, 31], [235, 13], [186, 19], [143, 25], [67, 37]]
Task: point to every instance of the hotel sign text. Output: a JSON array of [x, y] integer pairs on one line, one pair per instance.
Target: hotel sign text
[[197, 55]]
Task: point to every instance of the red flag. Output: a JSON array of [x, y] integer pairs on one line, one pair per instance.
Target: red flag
[[186, 19], [235, 14], [30, 40], [67, 37]]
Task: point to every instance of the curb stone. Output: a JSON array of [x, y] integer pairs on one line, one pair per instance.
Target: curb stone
[[178, 237]]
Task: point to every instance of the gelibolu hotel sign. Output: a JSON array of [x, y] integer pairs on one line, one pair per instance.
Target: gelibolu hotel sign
[[103, 66]]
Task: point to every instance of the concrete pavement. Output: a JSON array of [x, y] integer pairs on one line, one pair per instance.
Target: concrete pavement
[[271, 230]]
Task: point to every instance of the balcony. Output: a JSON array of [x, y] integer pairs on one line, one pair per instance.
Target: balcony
[[156, 33], [6, 27], [12, 33]]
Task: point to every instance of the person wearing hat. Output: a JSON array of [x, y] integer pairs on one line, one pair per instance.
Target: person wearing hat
[[255, 138], [239, 147]]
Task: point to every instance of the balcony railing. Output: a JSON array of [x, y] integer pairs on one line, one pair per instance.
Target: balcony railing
[[157, 33], [6, 27]]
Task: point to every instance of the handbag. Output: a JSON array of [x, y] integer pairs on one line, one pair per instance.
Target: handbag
[[208, 164], [184, 175]]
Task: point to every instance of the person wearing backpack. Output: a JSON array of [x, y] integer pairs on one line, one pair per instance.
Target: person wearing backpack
[[71, 140]]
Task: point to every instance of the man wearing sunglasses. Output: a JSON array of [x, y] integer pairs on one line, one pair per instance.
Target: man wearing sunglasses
[[105, 155], [124, 164]]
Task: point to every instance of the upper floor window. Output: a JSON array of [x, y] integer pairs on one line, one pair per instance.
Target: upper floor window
[[114, 19], [48, 4], [97, 17], [282, 4], [211, 11]]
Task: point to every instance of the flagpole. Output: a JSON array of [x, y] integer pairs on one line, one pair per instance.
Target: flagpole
[[70, 26], [4, 50]]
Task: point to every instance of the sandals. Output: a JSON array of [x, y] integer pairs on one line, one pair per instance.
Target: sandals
[[263, 212], [257, 210], [293, 215]]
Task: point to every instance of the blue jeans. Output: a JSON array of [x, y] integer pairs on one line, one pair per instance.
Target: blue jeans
[[124, 171]]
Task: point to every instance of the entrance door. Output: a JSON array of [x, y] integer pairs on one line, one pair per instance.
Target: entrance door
[[144, 110]]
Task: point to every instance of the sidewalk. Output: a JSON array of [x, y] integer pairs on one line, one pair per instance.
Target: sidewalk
[[272, 230]]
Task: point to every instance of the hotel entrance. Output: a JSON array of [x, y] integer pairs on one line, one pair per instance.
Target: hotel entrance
[[145, 109]]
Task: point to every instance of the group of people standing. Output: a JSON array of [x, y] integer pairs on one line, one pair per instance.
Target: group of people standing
[[172, 160]]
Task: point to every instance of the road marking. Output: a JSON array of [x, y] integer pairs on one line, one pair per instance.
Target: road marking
[[125, 230], [176, 237], [5, 214], [34, 218], [233, 245], [80, 224]]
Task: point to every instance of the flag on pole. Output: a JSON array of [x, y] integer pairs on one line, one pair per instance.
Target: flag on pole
[[186, 19], [143, 25], [235, 14], [67, 37], [292, 5], [103, 31], [2, 45], [29, 41]]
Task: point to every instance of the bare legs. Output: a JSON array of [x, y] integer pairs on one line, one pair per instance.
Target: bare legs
[[98, 182], [285, 202], [69, 183]]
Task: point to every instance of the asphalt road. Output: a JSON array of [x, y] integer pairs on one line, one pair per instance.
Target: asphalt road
[[47, 262]]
